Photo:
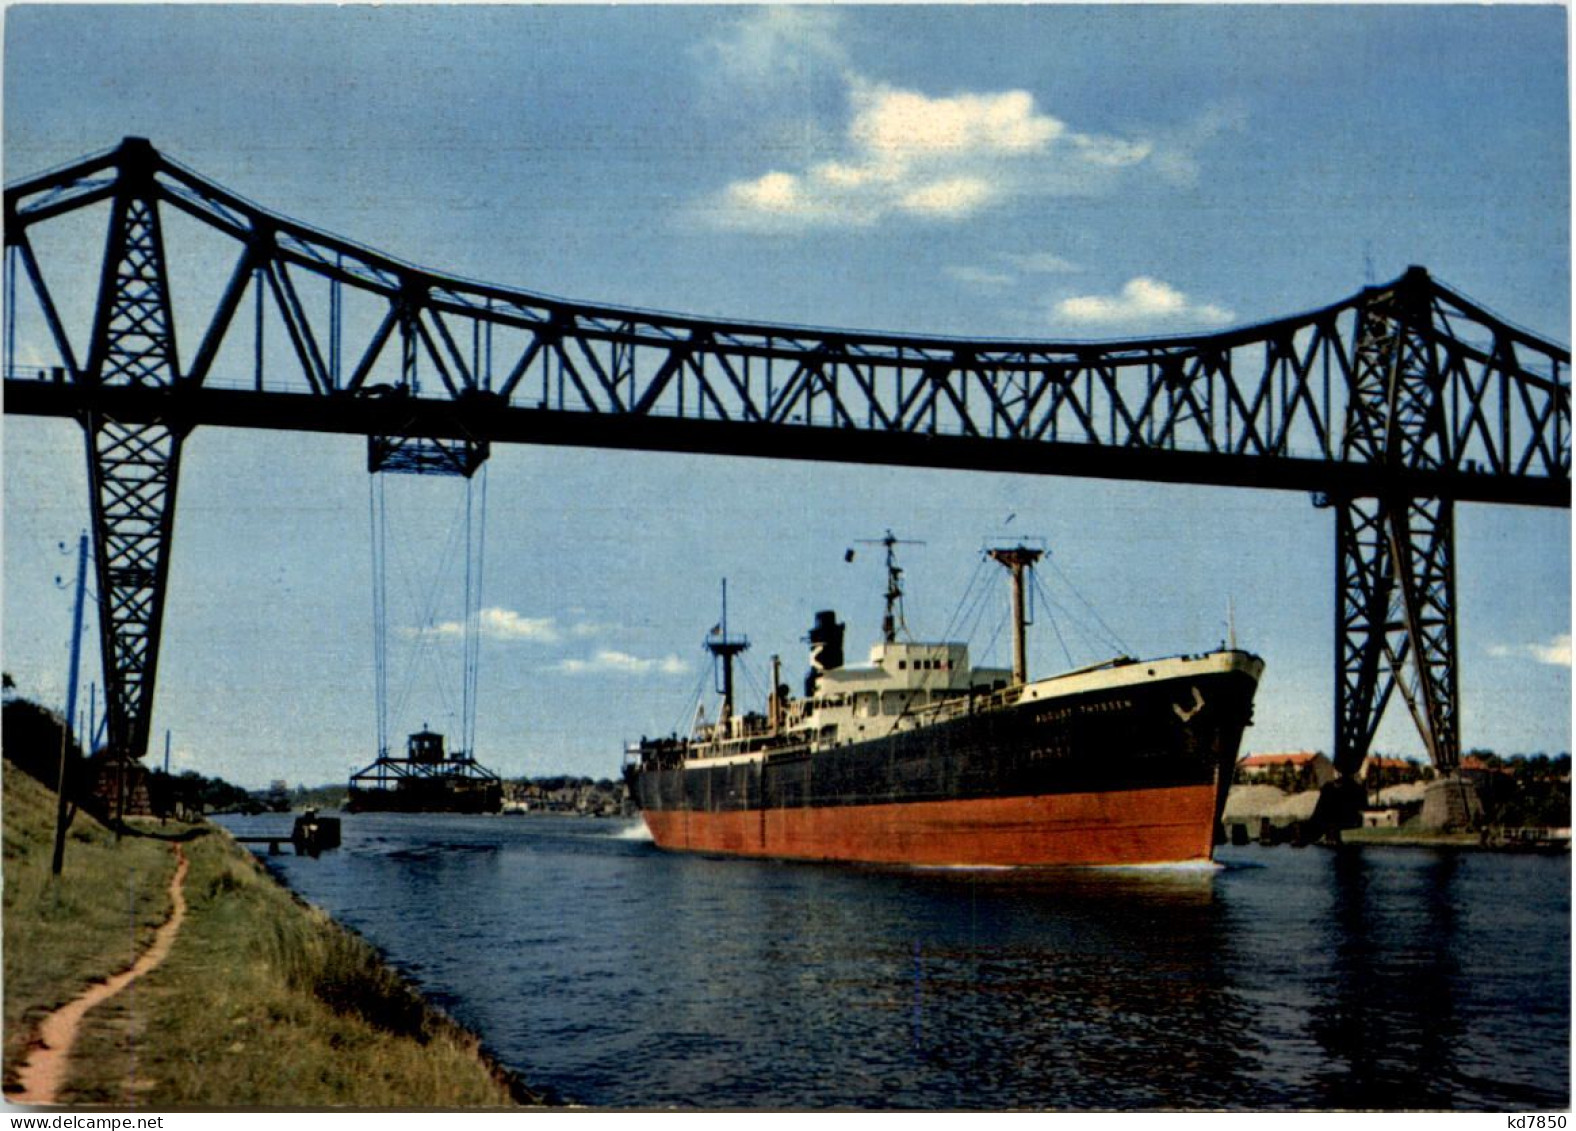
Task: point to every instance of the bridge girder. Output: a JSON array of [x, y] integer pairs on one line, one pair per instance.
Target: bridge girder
[[1392, 404]]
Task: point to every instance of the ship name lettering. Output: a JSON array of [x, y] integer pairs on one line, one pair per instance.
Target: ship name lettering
[[1104, 706]]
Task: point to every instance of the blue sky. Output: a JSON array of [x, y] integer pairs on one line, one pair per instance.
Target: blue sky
[[1033, 171]]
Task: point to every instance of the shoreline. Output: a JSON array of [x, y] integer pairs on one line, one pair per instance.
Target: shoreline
[[519, 1090], [263, 1000]]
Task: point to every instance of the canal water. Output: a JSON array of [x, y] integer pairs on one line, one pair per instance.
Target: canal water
[[611, 974]]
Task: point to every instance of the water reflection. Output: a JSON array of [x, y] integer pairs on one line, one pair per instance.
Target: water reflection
[[617, 975], [1391, 936], [1382, 979]]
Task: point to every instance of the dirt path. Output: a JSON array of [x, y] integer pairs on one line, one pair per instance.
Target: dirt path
[[44, 1071]]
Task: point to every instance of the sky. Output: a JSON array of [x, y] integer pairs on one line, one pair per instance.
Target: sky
[[1038, 171]]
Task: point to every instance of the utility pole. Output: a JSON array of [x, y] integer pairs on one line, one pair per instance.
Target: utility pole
[[62, 817]]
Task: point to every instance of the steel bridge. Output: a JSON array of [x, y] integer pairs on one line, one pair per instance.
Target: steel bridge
[[1389, 406]]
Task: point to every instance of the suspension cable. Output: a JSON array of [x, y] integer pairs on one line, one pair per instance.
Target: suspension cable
[[475, 552], [424, 603], [11, 254], [469, 622], [375, 503]]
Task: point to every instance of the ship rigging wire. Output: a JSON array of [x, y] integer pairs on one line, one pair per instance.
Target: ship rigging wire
[[684, 726], [980, 597], [1111, 638]]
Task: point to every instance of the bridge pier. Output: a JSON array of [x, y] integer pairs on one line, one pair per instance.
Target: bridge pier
[[1395, 623], [133, 470], [1451, 804]]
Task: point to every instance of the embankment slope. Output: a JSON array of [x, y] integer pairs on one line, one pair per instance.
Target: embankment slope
[[262, 1001]]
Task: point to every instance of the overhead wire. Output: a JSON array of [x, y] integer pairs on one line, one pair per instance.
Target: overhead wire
[[969, 592], [1056, 628]]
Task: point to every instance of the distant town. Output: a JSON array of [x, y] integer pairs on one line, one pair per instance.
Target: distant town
[[1518, 790], [561, 793]]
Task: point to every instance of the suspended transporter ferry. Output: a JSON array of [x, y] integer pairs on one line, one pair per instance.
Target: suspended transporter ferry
[[921, 759]]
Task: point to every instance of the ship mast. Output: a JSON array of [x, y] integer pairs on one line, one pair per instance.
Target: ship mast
[[1016, 559], [893, 621], [725, 648]]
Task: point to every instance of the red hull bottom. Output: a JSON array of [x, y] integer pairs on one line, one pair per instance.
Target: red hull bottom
[[1141, 826]]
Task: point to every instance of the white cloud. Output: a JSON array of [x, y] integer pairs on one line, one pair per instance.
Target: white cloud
[[1556, 652], [495, 623], [506, 624], [608, 661], [1176, 151], [1042, 262], [903, 124], [774, 192], [769, 47], [982, 276], [1010, 269], [1142, 300], [905, 152], [947, 199], [1111, 152]]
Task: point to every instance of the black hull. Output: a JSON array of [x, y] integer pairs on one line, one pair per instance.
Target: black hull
[[1139, 737]]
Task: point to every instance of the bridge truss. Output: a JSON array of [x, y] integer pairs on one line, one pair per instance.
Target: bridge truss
[[1389, 406]]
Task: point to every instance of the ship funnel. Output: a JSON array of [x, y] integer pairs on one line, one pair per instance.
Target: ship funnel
[[826, 642], [826, 647]]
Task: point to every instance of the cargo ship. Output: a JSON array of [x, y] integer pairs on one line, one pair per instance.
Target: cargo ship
[[920, 758]]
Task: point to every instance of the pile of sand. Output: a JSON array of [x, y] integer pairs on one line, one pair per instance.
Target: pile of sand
[[1409, 794], [1249, 803]]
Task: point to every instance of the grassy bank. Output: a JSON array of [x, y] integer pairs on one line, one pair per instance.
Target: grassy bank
[[61, 935], [263, 1001]]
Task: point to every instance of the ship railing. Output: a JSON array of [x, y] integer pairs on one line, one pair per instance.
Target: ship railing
[[968, 704], [975, 702]]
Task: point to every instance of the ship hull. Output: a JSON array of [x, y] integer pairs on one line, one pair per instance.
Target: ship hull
[[1140, 826], [1130, 772]]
